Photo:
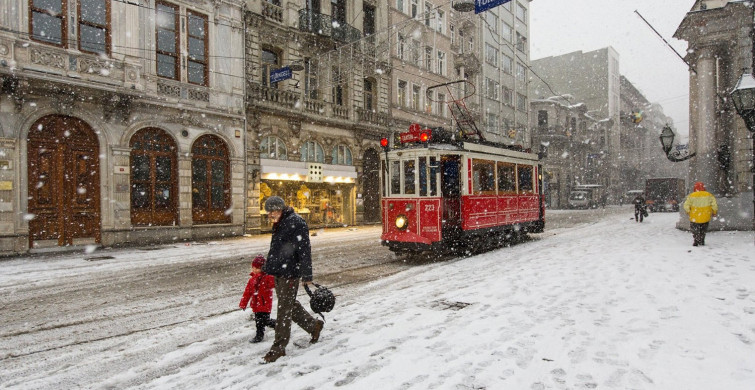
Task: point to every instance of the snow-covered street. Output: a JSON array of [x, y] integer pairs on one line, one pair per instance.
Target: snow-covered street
[[611, 304]]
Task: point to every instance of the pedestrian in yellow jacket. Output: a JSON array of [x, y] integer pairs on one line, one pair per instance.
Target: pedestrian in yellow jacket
[[701, 206]]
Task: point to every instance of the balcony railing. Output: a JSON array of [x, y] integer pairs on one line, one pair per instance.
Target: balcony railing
[[324, 25], [273, 98], [272, 11]]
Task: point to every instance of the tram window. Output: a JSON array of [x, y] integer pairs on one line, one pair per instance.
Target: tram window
[[433, 176], [409, 174], [422, 176], [506, 178], [525, 178], [483, 177], [395, 177]]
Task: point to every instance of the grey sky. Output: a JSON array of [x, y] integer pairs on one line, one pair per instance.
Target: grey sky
[[563, 26]]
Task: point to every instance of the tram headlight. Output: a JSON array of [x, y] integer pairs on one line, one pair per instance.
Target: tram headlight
[[401, 222]]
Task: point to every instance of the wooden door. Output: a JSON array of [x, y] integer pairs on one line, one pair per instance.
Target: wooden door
[[64, 181]]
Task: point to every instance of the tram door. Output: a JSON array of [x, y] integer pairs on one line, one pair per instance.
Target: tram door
[[451, 191]]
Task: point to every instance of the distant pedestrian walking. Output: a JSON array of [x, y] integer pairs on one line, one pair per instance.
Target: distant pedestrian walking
[[289, 260], [701, 206], [640, 208], [258, 294]]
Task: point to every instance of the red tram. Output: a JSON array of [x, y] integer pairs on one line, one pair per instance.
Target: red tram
[[447, 194]]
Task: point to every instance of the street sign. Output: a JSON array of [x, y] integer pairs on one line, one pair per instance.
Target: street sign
[[281, 74], [484, 5]]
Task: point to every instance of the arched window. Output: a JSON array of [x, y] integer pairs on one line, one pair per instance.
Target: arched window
[[273, 148], [270, 61], [210, 181], [154, 178], [311, 151], [342, 155]]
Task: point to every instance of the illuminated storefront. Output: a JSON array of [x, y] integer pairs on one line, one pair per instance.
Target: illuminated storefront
[[323, 194]]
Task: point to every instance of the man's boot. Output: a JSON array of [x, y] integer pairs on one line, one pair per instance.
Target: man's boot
[[316, 333]]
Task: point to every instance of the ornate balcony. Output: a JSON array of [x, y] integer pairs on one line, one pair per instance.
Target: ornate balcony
[[324, 25], [272, 12], [274, 99]]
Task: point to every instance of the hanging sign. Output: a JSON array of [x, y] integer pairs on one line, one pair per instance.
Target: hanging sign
[[484, 5], [281, 74]]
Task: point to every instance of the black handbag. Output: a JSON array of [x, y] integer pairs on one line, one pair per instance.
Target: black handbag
[[321, 300]]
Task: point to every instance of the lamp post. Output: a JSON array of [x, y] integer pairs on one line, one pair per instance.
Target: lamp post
[[667, 140], [743, 96]]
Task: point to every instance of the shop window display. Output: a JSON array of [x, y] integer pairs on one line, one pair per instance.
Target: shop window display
[[320, 204]]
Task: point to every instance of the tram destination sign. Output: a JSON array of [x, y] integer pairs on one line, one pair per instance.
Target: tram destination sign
[[484, 5], [281, 74]]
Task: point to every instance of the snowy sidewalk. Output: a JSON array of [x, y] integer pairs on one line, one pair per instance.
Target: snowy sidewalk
[[611, 305]]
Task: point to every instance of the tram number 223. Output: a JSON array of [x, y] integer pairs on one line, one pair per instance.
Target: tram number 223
[[429, 207]]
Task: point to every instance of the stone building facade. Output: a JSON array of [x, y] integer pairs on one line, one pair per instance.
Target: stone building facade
[[120, 122], [568, 133], [502, 93], [720, 39], [313, 138], [592, 78]]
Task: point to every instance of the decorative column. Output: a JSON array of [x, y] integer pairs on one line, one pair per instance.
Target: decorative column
[[702, 136]]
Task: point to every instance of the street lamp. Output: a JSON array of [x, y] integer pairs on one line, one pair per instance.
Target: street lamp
[[743, 97], [667, 140]]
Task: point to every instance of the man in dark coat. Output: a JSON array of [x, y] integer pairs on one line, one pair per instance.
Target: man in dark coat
[[289, 260]]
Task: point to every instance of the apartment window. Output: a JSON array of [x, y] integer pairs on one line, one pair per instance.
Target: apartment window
[[507, 64], [490, 89], [400, 5], [338, 92], [401, 46], [94, 26], [521, 72], [508, 98], [197, 64], [415, 97], [269, 62], [428, 14], [310, 78], [429, 58], [492, 21], [492, 123], [521, 42], [542, 119], [370, 97], [414, 8], [167, 40], [491, 54], [416, 58], [521, 12], [369, 20], [48, 21], [441, 63], [441, 105], [401, 93], [507, 33], [429, 102], [440, 22], [452, 33], [521, 102]]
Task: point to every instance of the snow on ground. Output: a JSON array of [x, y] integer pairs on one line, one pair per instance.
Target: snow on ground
[[615, 304]]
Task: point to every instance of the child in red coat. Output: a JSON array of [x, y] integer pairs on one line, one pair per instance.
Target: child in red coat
[[259, 290]]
